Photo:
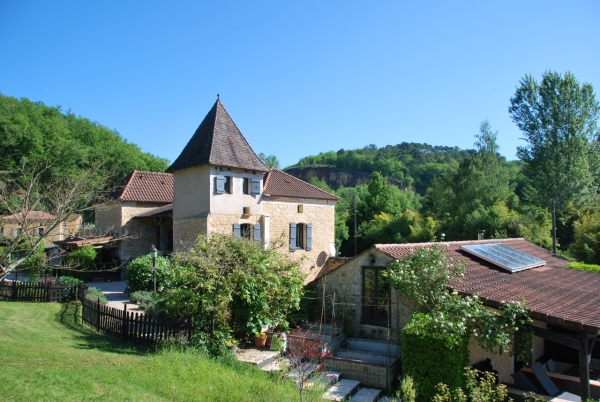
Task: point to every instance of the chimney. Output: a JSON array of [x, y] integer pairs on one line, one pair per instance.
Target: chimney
[[480, 234]]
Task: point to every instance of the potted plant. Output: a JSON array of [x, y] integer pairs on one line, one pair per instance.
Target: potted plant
[[260, 339]]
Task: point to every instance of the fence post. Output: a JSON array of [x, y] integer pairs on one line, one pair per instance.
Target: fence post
[[47, 298], [98, 319], [125, 328], [14, 290]]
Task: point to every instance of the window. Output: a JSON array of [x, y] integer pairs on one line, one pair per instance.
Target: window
[[376, 297], [223, 184], [300, 236], [245, 231], [246, 185]]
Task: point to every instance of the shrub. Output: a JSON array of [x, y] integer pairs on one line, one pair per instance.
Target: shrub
[[145, 299], [423, 342], [94, 294], [69, 281], [139, 273], [83, 258], [584, 267]]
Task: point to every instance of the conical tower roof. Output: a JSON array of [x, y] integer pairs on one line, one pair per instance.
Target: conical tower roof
[[218, 141]]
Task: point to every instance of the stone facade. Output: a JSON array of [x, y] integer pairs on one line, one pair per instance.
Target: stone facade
[[62, 230], [282, 213], [138, 234], [346, 283]]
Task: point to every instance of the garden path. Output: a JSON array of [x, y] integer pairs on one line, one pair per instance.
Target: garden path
[[115, 293]]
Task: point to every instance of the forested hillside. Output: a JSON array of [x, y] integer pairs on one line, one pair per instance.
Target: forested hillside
[[460, 192], [411, 163], [38, 136]]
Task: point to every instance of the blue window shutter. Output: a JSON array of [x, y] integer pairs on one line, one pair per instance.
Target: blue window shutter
[[255, 186], [308, 236], [293, 243], [237, 233], [257, 233], [220, 181]]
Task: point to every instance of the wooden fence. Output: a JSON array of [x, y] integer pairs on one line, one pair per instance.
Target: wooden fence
[[132, 327], [34, 292]]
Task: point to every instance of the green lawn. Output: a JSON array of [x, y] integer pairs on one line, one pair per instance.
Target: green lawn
[[45, 356]]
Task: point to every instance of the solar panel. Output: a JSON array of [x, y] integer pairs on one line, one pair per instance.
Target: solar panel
[[505, 257]]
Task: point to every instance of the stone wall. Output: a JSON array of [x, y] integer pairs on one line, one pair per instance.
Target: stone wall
[[345, 282], [502, 362], [108, 218], [186, 231], [139, 234], [321, 216]]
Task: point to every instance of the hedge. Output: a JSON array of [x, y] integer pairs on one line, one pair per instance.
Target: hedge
[[431, 357]]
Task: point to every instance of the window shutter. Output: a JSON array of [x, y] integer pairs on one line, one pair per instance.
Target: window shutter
[[292, 236], [308, 236], [257, 233], [255, 186], [220, 180], [237, 233]]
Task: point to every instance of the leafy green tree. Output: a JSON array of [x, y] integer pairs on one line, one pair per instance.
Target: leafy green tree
[[232, 287], [83, 258], [269, 160], [586, 247], [558, 117]]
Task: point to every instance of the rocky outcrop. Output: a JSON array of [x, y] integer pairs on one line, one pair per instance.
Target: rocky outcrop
[[336, 177]]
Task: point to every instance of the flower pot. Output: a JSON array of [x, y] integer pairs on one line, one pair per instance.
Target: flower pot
[[260, 342]]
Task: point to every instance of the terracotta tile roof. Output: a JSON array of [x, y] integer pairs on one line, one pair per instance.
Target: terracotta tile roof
[[278, 184], [32, 215], [553, 293], [166, 210], [218, 141], [139, 186]]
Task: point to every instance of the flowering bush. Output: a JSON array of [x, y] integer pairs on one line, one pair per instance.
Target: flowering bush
[[448, 320]]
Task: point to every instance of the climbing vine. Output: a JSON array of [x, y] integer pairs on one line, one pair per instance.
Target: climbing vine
[[423, 274]]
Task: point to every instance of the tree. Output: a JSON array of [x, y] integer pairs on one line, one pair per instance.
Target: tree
[[32, 188], [269, 160], [559, 119]]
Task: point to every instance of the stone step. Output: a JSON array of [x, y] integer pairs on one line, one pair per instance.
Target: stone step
[[361, 355], [301, 373], [342, 390], [258, 357], [366, 395]]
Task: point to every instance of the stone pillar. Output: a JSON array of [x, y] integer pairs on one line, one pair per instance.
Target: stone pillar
[[265, 222]]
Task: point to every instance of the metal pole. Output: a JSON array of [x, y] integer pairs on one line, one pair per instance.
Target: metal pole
[[553, 226]]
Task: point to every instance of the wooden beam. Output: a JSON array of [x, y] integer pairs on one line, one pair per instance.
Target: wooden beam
[[585, 353], [554, 337]]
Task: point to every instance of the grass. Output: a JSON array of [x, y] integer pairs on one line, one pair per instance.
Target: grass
[[46, 356]]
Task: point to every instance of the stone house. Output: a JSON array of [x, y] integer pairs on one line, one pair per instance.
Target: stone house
[[563, 302], [219, 185], [36, 223], [123, 216]]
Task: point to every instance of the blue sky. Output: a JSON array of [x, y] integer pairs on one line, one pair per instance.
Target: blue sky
[[300, 77]]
